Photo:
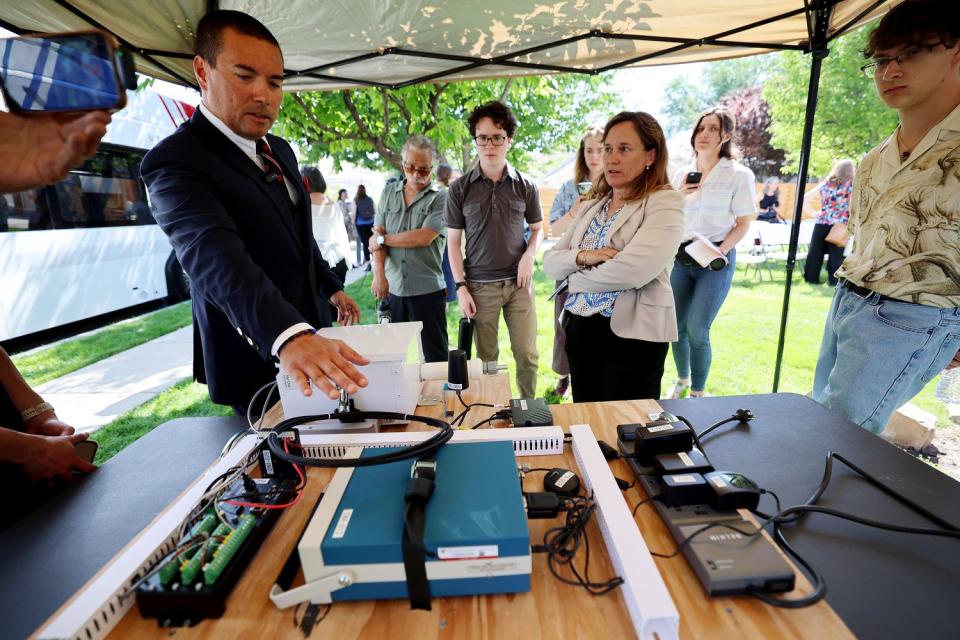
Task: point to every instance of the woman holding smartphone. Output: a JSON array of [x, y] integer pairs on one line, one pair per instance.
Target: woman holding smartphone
[[718, 194], [619, 315], [566, 205]]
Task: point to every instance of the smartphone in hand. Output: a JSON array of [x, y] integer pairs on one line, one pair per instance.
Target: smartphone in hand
[[693, 177], [86, 449]]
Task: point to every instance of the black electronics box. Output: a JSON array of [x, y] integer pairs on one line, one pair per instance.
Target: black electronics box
[[680, 489], [665, 434], [692, 461], [530, 412]]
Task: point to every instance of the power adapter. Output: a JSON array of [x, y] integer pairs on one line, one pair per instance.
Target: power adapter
[[659, 437], [732, 491], [542, 504], [693, 461], [679, 489]]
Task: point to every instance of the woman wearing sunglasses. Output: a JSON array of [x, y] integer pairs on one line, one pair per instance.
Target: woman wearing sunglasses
[[615, 257], [718, 206]]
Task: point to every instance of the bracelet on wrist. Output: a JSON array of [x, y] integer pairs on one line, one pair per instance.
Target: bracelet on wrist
[[36, 410]]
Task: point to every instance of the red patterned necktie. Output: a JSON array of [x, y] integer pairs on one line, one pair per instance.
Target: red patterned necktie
[[272, 168]]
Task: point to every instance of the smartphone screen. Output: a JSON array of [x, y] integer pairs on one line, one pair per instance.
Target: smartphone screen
[[86, 449], [693, 177]]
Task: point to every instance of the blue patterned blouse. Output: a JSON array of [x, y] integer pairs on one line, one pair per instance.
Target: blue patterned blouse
[[590, 304], [563, 201]]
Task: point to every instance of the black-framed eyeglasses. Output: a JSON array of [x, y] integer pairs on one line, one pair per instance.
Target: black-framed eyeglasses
[[420, 171], [496, 140], [878, 66]]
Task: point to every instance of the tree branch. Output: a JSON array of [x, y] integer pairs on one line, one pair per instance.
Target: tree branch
[[506, 89], [407, 116], [321, 127]]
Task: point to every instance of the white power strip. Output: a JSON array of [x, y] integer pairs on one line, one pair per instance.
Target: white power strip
[[644, 592], [527, 441]]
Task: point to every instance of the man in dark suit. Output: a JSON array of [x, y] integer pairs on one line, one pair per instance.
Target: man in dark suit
[[230, 198]]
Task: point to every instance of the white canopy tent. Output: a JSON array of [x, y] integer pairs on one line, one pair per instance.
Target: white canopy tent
[[337, 44]]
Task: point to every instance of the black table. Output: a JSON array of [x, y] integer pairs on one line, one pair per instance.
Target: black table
[[883, 584], [50, 554]]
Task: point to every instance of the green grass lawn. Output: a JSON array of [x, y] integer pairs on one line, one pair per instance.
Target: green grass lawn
[[47, 364], [744, 340]]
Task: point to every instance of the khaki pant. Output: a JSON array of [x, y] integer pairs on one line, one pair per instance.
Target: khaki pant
[[520, 315]]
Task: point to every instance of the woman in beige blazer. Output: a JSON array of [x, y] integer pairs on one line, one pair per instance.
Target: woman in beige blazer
[[619, 316]]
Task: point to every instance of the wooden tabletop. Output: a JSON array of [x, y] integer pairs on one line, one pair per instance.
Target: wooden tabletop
[[550, 610]]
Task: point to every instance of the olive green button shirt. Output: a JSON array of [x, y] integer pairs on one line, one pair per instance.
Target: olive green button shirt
[[413, 272]]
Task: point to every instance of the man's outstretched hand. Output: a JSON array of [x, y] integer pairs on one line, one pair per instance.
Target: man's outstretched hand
[[40, 149], [326, 362]]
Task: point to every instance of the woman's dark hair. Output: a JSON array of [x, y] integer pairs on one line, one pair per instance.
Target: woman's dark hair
[[500, 113], [444, 172], [916, 22], [651, 135], [728, 124], [341, 193], [361, 193], [581, 172], [210, 32], [313, 179]]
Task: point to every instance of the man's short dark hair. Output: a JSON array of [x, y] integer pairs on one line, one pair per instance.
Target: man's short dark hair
[[313, 180], [500, 113], [916, 22], [210, 32]]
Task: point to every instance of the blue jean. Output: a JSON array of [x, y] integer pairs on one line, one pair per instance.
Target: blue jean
[[698, 294], [878, 354]]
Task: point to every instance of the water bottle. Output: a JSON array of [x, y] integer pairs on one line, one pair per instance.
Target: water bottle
[[948, 389]]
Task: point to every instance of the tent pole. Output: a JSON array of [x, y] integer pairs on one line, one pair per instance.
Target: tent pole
[[818, 51]]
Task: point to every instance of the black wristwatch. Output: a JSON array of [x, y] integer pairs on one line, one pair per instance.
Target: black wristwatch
[[462, 283]]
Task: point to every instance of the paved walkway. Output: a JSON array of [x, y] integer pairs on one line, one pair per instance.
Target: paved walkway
[[99, 393]]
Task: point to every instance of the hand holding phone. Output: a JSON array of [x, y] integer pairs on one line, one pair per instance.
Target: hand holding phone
[[693, 177], [584, 187], [86, 450]]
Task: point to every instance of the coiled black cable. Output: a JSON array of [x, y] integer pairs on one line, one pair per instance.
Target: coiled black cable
[[430, 445]]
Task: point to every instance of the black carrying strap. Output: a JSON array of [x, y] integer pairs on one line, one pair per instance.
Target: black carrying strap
[[422, 478]]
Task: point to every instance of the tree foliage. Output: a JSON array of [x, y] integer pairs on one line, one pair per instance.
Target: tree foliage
[[752, 136], [850, 117], [368, 127], [684, 100]]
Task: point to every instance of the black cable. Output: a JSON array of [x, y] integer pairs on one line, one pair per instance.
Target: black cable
[[466, 409], [562, 544], [430, 445], [640, 504], [686, 541], [499, 415]]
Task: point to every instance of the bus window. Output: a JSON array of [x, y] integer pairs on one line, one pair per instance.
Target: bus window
[[106, 191]]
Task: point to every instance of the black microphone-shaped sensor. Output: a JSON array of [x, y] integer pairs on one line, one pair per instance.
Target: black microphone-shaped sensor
[[465, 338], [458, 378]]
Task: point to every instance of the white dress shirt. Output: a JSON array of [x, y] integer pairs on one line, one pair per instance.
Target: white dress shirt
[[249, 148]]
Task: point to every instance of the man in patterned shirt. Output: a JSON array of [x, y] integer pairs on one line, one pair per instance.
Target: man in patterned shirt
[[894, 322]]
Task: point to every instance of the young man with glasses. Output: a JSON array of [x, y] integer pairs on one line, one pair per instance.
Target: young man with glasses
[[406, 249], [894, 322], [489, 205]]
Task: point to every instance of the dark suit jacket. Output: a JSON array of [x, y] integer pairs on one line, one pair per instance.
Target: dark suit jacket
[[254, 267]]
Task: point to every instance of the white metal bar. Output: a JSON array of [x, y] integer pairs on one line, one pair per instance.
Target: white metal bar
[[648, 601]]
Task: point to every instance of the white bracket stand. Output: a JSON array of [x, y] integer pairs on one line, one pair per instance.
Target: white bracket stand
[[316, 592]]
